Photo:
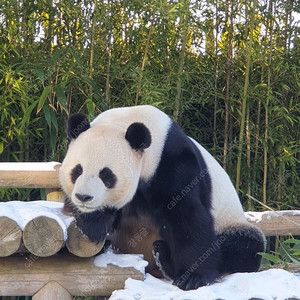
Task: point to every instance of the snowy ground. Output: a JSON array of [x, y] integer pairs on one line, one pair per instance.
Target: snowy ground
[[267, 285]]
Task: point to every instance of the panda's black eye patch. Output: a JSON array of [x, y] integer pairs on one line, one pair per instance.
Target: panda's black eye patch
[[75, 173], [108, 177]]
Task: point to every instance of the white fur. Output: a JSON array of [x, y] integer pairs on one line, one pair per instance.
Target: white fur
[[155, 120], [94, 150], [226, 206]]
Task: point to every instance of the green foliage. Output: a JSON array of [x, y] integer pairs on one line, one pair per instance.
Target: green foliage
[[61, 57], [287, 252]]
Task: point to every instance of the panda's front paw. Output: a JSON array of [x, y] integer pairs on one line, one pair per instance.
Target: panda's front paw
[[194, 281], [96, 225]]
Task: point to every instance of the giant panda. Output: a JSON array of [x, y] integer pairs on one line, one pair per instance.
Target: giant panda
[[133, 174]]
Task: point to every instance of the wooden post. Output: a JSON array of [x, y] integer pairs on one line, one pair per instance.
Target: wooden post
[[80, 245], [10, 236], [54, 195], [43, 236], [52, 290]]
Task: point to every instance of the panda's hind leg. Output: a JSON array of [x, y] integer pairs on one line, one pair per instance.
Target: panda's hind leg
[[239, 247], [162, 256]]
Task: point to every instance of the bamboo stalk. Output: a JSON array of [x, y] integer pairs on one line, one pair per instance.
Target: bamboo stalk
[[248, 150], [139, 86], [266, 134], [244, 100], [177, 112], [108, 67], [216, 75], [91, 60], [257, 125], [228, 82]]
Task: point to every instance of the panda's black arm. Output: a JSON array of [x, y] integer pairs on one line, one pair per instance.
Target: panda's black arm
[[97, 224]]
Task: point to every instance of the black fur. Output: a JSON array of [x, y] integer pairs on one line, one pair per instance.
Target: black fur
[[183, 215], [239, 250], [138, 136], [108, 177], [96, 224], [77, 124], [76, 172]]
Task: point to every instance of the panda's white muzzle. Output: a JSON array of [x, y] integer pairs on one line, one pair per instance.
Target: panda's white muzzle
[[88, 193]]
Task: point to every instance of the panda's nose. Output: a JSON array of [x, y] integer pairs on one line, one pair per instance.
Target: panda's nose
[[84, 198]]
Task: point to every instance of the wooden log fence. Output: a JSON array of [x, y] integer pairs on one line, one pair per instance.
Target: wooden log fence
[[46, 274], [39, 227], [77, 276]]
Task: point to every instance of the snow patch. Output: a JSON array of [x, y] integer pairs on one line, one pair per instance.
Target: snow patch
[[32, 166], [268, 285], [257, 217], [121, 260]]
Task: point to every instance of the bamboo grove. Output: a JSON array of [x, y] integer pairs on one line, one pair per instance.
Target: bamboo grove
[[227, 71]]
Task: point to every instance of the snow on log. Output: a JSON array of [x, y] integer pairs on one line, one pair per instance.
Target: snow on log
[[29, 175], [276, 222], [45, 230]]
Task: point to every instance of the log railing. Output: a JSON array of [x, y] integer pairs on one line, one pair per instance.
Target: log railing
[[33, 269]]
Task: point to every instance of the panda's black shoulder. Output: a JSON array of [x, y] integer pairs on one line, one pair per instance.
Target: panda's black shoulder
[[181, 170], [179, 148]]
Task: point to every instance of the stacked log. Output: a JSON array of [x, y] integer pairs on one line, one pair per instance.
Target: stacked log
[[39, 227], [10, 236]]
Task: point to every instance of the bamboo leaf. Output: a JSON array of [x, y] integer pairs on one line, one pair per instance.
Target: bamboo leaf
[[41, 74], [271, 257], [61, 97], [56, 55], [47, 114], [76, 57], [27, 114], [43, 98], [90, 106]]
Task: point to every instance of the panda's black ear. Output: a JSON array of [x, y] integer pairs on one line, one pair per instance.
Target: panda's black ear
[[77, 124], [138, 136]]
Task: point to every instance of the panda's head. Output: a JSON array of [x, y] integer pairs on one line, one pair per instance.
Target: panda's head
[[103, 163]]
